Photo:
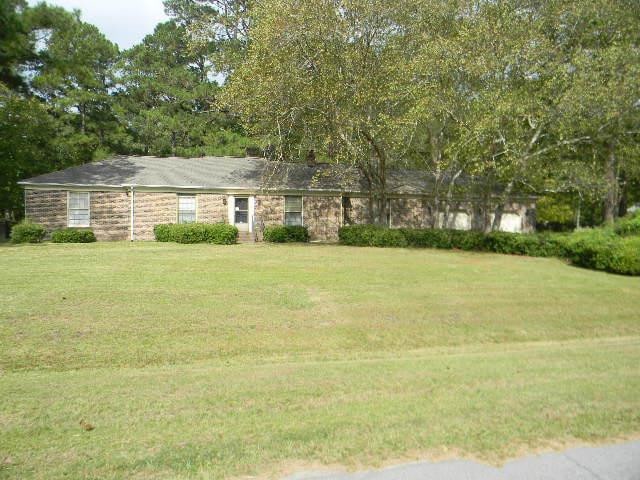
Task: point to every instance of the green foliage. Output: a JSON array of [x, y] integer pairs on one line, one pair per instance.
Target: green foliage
[[27, 232], [555, 212], [73, 235], [601, 249], [371, 236], [598, 249], [629, 225], [27, 146], [218, 233], [498, 242], [286, 234], [15, 45], [167, 98], [533, 245]]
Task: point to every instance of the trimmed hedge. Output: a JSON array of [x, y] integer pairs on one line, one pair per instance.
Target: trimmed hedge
[[598, 249], [73, 235], [27, 232], [372, 236], [286, 234], [499, 242], [218, 233]]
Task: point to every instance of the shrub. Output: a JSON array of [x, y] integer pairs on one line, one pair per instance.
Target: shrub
[[73, 235], [371, 236], [286, 234], [218, 233], [27, 232], [601, 249], [428, 238], [629, 225], [598, 249], [533, 245]]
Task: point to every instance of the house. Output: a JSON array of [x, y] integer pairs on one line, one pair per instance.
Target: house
[[125, 197]]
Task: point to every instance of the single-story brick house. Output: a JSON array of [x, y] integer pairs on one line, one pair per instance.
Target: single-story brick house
[[125, 197]]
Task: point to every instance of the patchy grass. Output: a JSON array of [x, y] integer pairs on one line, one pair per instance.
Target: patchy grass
[[210, 362]]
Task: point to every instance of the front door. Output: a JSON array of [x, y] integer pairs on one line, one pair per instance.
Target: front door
[[241, 219]]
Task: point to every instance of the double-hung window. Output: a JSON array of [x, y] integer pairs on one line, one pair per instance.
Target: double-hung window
[[186, 208], [293, 210], [78, 211]]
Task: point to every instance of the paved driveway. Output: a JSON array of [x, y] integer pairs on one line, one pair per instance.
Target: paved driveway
[[616, 462]]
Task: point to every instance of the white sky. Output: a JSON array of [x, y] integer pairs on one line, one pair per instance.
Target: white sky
[[125, 22]]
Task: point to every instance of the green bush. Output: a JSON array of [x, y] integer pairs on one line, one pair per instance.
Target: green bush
[[428, 238], [73, 235], [500, 242], [371, 236], [601, 249], [532, 245], [27, 232], [218, 233], [629, 225], [286, 234]]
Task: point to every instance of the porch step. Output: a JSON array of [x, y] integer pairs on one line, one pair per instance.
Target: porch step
[[246, 237]]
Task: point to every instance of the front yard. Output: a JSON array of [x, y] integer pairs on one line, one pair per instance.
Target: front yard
[[213, 362]]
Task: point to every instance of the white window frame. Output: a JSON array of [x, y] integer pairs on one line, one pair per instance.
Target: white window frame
[[84, 225], [195, 207], [284, 218]]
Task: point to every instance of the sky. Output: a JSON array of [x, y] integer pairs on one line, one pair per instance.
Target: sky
[[125, 22]]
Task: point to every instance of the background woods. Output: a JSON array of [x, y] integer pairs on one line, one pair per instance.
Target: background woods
[[542, 97]]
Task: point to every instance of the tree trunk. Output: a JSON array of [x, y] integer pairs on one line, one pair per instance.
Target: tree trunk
[[447, 208], [435, 212], [436, 158], [611, 175], [83, 126], [504, 198]]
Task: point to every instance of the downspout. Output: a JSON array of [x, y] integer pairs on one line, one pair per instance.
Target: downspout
[[133, 210]]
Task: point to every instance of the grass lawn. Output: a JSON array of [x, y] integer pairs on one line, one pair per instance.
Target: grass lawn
[[218, 362]]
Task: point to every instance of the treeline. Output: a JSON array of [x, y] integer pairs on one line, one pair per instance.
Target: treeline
[[68, 96], [533, 96]]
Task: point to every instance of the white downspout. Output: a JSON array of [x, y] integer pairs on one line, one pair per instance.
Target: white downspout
[[133, 210]]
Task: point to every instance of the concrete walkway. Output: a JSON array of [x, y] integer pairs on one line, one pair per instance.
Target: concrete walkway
[[616, 462]]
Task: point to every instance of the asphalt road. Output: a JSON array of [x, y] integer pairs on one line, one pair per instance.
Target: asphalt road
[[615, 462]]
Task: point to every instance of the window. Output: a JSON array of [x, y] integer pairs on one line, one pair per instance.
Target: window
[[186, 208], [78, 212], [293, 210]]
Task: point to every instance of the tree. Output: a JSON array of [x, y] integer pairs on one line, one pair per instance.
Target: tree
[[16, 46], [167, 98], [599, 48], [329, 77], [224, 24], [72, 75]]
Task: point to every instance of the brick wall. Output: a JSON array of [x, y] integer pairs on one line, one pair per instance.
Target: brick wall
[[323, 217], [359, 212], [152, 209], [409, 212], [211, 208], [110, 217], [47, 207], [269, 210]]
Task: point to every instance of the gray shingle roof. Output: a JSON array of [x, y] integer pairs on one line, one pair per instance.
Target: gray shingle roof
[[206, 173], [226, 173]]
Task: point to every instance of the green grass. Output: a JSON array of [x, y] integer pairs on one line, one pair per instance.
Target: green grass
[[215, 362]]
